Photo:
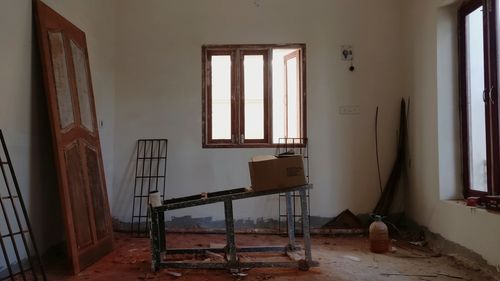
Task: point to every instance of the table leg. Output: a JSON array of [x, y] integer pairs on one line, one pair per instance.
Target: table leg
[[155, 241], [305, 225], [161, 232], [230, 240], [290, 222]]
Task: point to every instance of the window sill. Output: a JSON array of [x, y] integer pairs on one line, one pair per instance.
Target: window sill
[[462, 202]]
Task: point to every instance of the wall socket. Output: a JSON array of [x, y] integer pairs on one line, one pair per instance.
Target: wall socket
[[349, 110], [346, 52]]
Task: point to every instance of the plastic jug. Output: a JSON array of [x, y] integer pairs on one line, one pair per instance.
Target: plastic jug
[[379, 236]]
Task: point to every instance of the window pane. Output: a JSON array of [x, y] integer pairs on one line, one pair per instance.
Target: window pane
[[254, 96], [286, 102], [278, 94], [292, 99], [221, 97], [475, 103]]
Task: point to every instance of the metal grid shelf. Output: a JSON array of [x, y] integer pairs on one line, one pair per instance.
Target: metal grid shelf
[[296, 146], [150, 176]]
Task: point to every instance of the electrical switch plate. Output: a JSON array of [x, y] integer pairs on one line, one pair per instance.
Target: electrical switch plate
[[349, 110], [346, 52]]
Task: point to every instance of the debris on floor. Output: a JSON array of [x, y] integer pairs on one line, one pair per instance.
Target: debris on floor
[[175, 274], [331, 252], [214, 256], [345, 220], [352, 258]]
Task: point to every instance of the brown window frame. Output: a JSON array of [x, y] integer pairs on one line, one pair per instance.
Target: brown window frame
[[237, 53], [490, 96]]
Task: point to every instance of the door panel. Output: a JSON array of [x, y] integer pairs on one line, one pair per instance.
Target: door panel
[[63, 92], [68, 88], [78, 198], [82, 86], [96, 191]]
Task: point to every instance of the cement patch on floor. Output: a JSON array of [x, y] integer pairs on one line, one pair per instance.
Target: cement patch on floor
[[341, 259]]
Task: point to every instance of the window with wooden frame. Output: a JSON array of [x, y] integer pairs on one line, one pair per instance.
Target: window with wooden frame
[[253, 95], [479, 108]]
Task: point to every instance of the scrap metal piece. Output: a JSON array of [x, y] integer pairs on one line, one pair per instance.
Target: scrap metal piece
[[18, 235]]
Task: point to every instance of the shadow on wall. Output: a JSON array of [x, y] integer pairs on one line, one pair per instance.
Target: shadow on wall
[[122, 199], [42, 200]]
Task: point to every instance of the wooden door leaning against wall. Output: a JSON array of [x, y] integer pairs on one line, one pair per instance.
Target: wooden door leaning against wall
[[68, 88]]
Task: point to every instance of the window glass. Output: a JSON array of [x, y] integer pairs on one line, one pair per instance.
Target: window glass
[[221, 97], [475, 103], [292, 98], [253, 68], [287, 111]]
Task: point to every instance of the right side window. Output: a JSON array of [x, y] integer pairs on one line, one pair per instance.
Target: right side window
[[478, 97]]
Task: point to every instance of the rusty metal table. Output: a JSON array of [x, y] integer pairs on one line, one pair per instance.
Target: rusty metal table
[[158, 238]]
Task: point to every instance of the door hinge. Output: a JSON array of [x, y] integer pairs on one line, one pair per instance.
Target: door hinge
[[491, 96], [488, 95]]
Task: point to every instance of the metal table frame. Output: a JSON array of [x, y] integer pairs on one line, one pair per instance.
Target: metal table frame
[[158, 239]]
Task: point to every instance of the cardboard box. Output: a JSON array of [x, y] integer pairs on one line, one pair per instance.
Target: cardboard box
[[277, 173]]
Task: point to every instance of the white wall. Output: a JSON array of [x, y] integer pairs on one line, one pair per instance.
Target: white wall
[[158, 94], [23, 112], [450, 160], [435, 172]]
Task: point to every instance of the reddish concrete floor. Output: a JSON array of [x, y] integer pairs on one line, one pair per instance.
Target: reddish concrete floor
[[341, 258]]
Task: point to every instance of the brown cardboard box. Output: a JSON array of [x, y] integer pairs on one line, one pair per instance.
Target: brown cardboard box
[[277, 173]]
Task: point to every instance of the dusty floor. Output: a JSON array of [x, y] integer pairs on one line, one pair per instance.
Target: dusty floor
[[341, 258]]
